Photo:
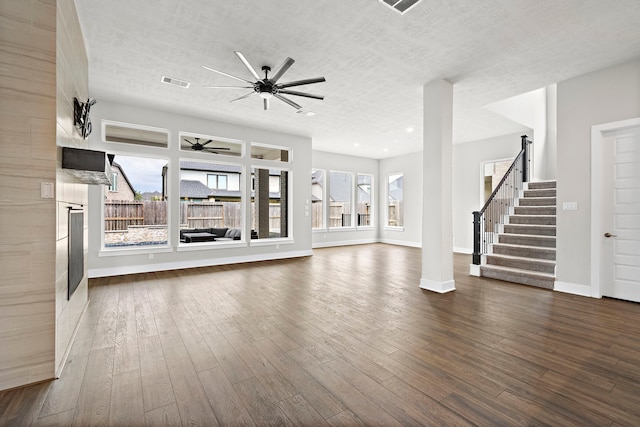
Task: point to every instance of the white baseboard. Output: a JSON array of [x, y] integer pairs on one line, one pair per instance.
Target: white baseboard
[[572, 288], [133, 269], [440, 287], [474, 270], [459, 250]]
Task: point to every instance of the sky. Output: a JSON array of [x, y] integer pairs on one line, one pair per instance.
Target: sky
[[145, 174]]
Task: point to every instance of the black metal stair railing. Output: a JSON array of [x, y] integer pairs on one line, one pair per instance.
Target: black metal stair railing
[[487, 219]]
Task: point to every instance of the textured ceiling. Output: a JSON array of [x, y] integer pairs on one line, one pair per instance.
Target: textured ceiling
[[375, 60]]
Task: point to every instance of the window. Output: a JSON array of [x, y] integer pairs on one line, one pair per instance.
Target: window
[[340, 197], [270, 152], [206, 145], [365, 200], [270, 203], [114, 182], [135, 208], [217, 182], [395, 200], [317, 199], [210, 202], [134, 134]]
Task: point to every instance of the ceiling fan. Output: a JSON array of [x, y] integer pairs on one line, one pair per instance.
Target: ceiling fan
[[269, 87], [197, 146]]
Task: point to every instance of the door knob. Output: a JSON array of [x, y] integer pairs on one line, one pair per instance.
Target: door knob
[[607, 235]]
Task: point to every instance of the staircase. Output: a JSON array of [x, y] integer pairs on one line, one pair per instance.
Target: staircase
[[525, 251]]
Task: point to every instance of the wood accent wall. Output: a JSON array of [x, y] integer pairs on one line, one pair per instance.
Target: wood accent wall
[[72, 80], [36, 323]]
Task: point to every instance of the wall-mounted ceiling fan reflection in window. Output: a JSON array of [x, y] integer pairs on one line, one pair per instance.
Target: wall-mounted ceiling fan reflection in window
[[269, 87], [198, 146]]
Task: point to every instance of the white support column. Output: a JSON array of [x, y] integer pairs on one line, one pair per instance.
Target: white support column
[[437, 227]]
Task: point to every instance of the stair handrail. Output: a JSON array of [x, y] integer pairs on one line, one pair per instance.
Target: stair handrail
[[495, 207]]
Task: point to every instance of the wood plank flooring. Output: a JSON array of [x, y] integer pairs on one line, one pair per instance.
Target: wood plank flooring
[[344, 337]]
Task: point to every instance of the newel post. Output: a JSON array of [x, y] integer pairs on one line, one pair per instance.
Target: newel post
[[476, 238], [525, 158]]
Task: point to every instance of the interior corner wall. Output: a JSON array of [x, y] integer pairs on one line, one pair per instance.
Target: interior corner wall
[[72, 80], [601, 97], [126, 261], [344, 163], [468, 160], [27, 221], [551, 149], [410, 165]]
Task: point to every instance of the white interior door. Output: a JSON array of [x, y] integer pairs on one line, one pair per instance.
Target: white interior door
[[620, 267]]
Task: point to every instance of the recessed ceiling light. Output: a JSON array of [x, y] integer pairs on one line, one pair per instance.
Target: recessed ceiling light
[[356, 145], [386, 149], [173, 81], [409, 129]]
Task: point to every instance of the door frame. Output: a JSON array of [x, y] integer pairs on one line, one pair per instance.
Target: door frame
[[600, 134]]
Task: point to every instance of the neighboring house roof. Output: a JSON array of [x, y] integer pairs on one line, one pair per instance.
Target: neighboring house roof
[[315, 177], [194, 190], [396, 192], [124, 175], [340, 190], [149, 195]]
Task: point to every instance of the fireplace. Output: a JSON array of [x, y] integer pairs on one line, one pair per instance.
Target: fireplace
[[76, 249]]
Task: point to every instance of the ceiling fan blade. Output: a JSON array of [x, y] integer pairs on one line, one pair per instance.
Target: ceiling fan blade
[[228, 87], [246, 64], [225, 74], [205, 143], [301, 82], [214, 149], [282, 69], [296, 93], [242, 97], [288, 101], [188, 141], [266, 104]]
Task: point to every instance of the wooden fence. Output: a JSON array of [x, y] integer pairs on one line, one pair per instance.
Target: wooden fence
[[119, 215]]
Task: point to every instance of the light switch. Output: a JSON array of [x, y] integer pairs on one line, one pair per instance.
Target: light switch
[[570, 206], [46, 190]]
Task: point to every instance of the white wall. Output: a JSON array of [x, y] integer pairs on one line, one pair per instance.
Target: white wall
[[530, 110], [342, 163], [601, 97], [468, 181], [411, 166], [130, 260]]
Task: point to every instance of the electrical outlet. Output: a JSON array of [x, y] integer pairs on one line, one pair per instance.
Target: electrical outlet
[[570, 206]]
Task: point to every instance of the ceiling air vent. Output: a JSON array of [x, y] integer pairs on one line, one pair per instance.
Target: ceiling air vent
[[174, 81], [400, 6]]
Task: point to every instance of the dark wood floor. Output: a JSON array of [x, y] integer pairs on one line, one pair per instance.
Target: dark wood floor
[[345, 337]]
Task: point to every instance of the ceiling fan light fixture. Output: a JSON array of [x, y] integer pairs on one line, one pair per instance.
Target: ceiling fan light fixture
[[266, 95]]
